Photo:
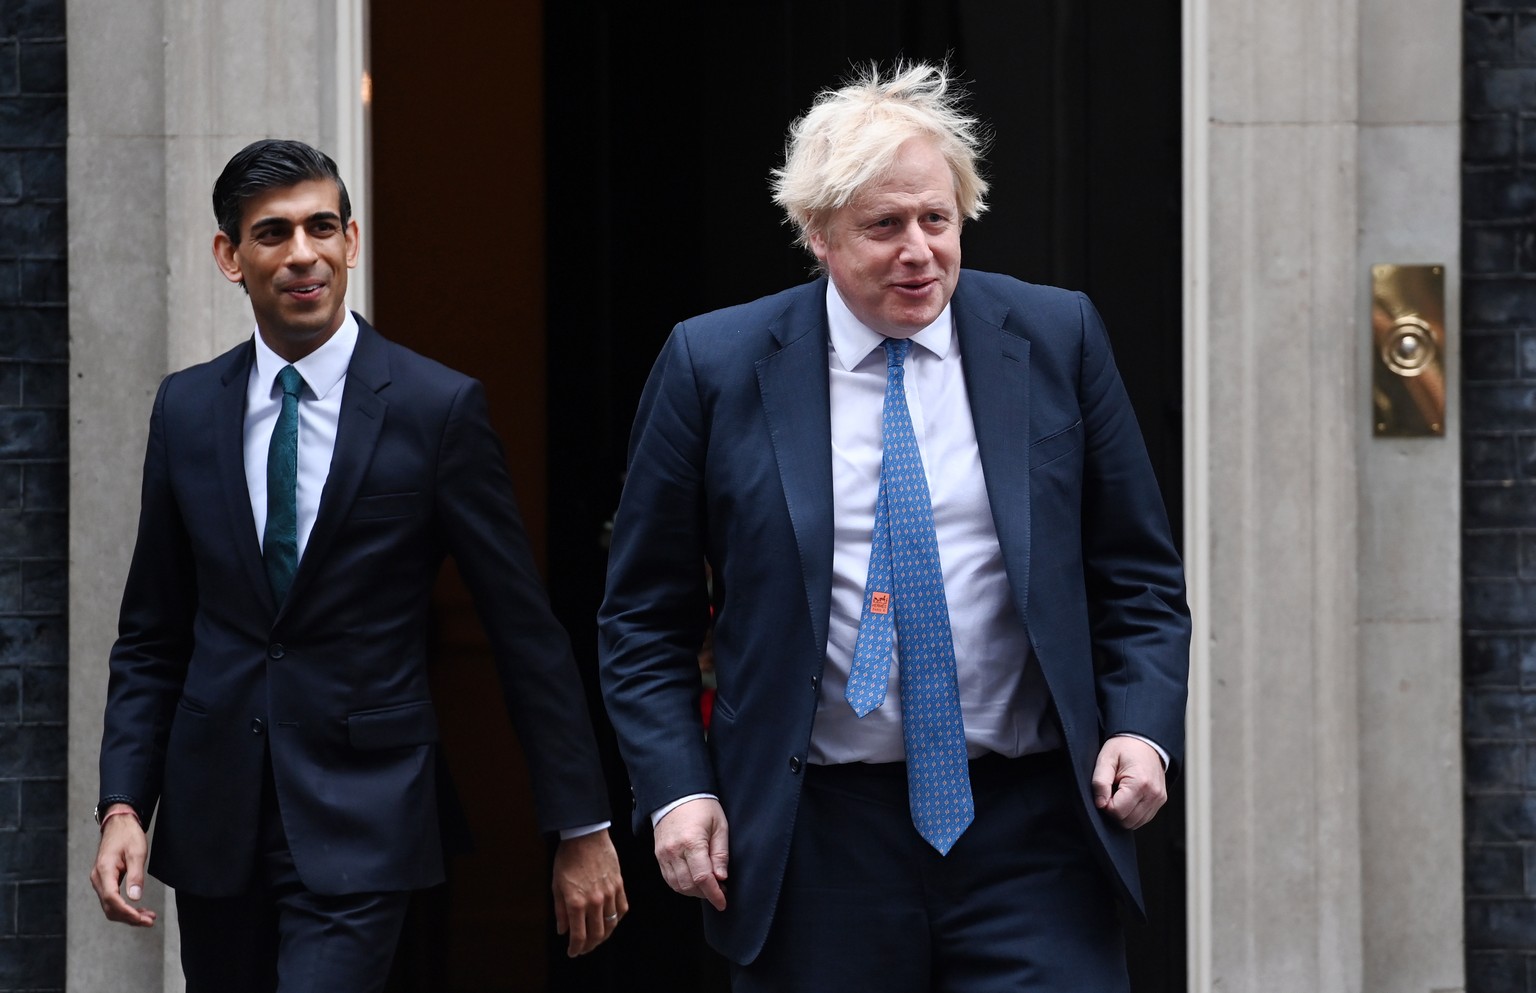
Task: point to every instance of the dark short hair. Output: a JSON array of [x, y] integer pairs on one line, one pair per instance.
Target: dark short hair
[[270, 164]]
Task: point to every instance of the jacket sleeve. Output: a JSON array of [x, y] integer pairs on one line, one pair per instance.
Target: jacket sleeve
[[484, 533], [1139, 620], [148, 662], [655, 612]]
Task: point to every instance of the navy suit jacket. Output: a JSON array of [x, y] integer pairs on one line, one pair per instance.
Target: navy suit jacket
[[208, 673], [731, 462]]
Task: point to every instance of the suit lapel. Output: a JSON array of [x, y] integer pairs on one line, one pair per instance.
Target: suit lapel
[[793, 384], [357, 432], [997, 380], [229, 425]]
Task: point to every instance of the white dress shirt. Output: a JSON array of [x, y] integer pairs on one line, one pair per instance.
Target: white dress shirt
[[325, 376], [1003, 697]]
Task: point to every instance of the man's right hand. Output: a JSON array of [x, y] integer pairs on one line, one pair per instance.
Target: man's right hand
[[692, 849], [119, 864]]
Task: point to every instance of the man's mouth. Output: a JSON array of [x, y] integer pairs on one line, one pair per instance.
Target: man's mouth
[[304, 291]]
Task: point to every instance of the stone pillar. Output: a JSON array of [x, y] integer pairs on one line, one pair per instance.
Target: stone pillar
[[162, 92], [1321, 136], [1409, 503]]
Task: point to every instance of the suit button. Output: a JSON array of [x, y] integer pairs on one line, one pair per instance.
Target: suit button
[[794, 763], [815, 683], [257, 727], [276, 651]]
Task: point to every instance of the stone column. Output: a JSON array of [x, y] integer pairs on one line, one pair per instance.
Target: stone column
[[162, 92], [1409, 500], [1324, 716]]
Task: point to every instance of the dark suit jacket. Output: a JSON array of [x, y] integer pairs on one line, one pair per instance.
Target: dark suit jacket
[[731, 461], [208, 673]]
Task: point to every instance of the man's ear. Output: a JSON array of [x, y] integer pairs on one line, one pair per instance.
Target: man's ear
[[818, 241], [228, 261], [354, 243]]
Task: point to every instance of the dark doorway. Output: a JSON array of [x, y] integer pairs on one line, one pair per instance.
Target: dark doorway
[[663, 123], [457, 225]]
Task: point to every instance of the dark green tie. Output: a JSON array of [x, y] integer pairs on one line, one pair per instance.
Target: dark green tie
[[280, 543]]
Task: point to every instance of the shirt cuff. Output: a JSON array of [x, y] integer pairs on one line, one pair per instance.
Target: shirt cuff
[[567, 834], [664, 811], [1155, 746]]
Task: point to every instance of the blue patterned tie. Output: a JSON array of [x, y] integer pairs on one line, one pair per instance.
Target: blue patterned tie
[[906, 589], [280, 540]]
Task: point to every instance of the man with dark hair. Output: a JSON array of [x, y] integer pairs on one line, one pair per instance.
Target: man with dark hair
[[950, 637], [268, 701]]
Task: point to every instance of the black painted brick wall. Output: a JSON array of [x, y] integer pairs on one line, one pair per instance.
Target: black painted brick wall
[[34, 495], [1499, 492]]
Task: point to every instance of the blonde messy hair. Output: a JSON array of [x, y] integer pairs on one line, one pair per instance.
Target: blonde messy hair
[[849, 139]]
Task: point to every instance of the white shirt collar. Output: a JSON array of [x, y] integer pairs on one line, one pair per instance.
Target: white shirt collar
[[322, 369], [852, 340]]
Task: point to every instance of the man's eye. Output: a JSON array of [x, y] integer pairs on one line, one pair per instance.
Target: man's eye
[[324, 229]]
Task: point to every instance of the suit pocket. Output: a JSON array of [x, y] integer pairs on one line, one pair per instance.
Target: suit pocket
[[1054, 446], [384, 505], [393, 727]]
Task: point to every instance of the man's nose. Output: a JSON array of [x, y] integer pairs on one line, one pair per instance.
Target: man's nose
[[301, 250], [914, 244]]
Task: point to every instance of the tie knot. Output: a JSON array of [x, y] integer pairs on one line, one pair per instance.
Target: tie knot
[[289, 380], [896, 352]]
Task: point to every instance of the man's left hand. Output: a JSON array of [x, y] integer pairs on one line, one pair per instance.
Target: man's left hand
[[1128, 781], [589, 891]]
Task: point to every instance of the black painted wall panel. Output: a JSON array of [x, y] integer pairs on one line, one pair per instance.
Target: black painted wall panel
[[1499, 493]]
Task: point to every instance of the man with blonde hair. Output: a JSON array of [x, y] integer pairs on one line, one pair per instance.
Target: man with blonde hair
[[950, 634]]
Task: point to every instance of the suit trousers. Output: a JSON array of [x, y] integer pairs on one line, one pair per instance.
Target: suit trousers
[[1020, 903], [281, 938]]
